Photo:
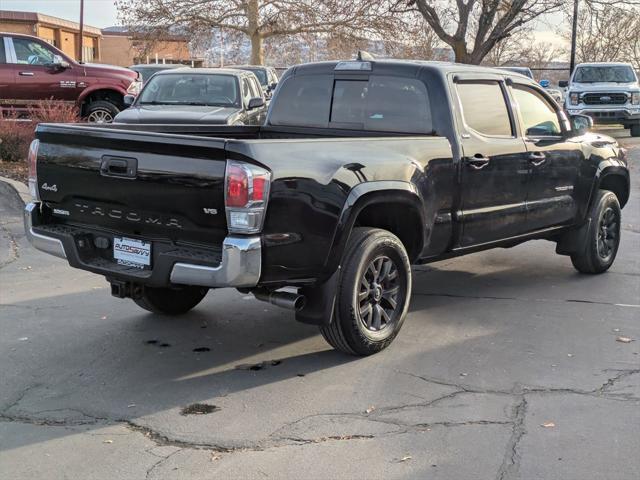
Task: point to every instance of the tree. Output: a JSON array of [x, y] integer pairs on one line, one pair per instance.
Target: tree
[[473, 28], [257, 19]]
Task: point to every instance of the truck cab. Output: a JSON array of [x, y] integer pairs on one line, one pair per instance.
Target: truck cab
[[607, 92], [32, 69]]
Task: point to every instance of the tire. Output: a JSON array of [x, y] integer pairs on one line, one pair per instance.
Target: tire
[[602, 236], [170, 301], [376, 272], [635, 130], [101, 111]]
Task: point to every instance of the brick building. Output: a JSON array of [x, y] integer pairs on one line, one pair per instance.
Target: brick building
[[59, 32], [124, 48]]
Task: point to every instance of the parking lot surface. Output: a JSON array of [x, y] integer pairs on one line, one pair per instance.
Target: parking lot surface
[[510, 365]]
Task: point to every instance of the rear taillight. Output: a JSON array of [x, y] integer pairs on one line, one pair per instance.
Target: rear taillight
[[246, 195], [33, 173]]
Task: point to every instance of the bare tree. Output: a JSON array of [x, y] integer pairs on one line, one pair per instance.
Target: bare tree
[[257, 19], [608, 33], [474, 27]]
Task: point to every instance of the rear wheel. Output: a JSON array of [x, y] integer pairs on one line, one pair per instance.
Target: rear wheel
[[101, 111], [170, 301], [635, 130], [603, 235], [373, 293]]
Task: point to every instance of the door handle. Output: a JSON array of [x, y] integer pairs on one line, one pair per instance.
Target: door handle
[[537, 158], [26, 74], [119, 167], [478, 161]]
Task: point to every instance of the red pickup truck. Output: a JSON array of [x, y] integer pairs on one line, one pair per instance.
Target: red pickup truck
[[32, 69]]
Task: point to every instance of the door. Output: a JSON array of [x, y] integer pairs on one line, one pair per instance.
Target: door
[[7, 78], [35, 76], [251, 89], [494, 169], [554, 162]]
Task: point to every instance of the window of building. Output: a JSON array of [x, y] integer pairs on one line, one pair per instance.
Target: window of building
[[539, 118], [88, 53], [3, 57], [484, 108]]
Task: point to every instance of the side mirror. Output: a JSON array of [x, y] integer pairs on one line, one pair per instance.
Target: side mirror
[[544, 83], [255, 102], [563, 83], [59, 63], [581, 124], [273, 86], [128, 100]]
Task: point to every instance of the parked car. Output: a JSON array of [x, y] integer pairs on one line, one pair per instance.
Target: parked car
[[267, 77], [607, 92], [526, 71], [197, 95], [362, 168], [555, 93], [147, 69], [32, 69]]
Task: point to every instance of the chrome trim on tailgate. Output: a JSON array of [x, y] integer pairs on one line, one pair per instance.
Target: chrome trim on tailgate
[[46, 244], [240, 266]]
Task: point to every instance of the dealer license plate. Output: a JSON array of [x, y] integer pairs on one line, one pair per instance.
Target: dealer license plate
[[132, 252]]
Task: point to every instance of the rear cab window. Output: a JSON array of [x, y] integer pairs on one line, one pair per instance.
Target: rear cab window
[[377, 103]]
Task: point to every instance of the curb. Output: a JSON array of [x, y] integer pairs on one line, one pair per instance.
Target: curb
[[21, 189]]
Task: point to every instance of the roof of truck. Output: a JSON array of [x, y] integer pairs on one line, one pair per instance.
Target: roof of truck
[[205, 71], [410, 67]]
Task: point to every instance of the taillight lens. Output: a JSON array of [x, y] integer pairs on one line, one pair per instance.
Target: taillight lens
[[635, 98], [575, 98], [33, 173], [246, 195]]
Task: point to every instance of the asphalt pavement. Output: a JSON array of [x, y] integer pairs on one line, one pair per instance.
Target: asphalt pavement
[[509, 366]]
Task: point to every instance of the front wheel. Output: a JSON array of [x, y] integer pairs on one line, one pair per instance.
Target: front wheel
[[170, 301], [373, 293], [603, 235], [101, 111]]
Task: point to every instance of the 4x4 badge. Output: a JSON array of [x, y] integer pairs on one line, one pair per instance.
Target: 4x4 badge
[[51, 188], [210, 211]]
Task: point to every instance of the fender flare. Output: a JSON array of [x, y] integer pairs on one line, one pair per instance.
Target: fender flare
[[606, 169], [321, 296], [95, 88]]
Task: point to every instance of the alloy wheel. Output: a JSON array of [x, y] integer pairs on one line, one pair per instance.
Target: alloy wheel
[[378, 294]]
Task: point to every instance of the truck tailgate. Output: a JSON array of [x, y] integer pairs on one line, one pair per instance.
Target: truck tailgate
[[151, 185]]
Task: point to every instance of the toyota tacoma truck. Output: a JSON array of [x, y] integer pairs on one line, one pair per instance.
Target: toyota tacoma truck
[[607, 92], [362, 169], [32, 69]]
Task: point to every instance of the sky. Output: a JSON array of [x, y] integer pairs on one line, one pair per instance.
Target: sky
[[102, 13], [97, 13]]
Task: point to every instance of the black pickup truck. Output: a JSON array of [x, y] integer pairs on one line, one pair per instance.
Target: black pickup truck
[[361, 169]]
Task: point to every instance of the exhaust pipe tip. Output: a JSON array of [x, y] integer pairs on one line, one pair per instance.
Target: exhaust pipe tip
[[288, 300]]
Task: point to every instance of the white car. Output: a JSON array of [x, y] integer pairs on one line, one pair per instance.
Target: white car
[[607, 92]]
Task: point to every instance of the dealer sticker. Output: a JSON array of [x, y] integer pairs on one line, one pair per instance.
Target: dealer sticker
[[132, 252]]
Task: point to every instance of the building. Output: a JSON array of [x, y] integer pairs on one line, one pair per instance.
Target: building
[[59, 32], [123, 47]]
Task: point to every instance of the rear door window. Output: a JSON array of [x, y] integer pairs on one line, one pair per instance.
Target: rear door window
[[484, 108]]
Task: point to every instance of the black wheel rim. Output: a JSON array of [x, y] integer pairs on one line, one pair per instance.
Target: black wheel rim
[[608, 233], [378, 295]]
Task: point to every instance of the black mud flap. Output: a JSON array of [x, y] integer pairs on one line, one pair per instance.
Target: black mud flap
[[574, 241], [320, 302]]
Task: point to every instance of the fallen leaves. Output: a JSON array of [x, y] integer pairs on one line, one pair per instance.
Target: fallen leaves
[[107, 441], [624, 339], [370, 409], [548, 425]]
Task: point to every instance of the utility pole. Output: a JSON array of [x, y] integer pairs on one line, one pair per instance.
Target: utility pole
[[81, 42], [574, 33]]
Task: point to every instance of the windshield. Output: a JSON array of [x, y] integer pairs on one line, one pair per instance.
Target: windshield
[[186, 89], [616, 74]]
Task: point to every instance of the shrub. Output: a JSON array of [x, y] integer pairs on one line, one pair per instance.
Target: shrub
[[17, 129]]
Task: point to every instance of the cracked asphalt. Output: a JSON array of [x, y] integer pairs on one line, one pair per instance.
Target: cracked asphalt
[[507, 368]]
